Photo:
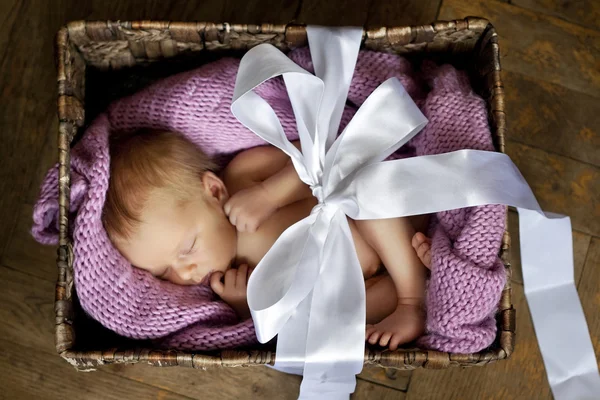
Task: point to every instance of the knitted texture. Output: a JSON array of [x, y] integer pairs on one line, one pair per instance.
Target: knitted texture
[[466, 279]]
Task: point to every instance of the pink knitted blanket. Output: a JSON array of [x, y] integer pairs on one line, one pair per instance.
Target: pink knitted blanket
[[467, 277]]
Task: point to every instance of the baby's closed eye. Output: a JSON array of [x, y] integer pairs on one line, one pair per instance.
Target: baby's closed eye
[[189, 249]]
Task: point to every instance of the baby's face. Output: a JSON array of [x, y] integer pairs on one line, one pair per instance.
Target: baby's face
[[182, 243]]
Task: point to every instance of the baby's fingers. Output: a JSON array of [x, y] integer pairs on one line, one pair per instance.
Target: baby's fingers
[[242, 276], [230, 277], [227, 207], [215, 283], [233, 217]]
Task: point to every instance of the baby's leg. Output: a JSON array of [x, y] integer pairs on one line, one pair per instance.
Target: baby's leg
[[381, 298], [392, 240]]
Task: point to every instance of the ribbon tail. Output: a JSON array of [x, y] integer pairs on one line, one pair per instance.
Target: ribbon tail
[[291, 340], [558, 318], [335, 344]]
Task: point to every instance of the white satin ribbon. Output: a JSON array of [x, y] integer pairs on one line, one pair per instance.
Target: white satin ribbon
[[309, 288]]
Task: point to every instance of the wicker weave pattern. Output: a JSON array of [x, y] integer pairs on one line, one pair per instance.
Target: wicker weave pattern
[[117, 45]]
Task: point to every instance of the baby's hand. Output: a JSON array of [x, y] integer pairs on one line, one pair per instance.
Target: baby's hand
[[249, 208], [233, 290]]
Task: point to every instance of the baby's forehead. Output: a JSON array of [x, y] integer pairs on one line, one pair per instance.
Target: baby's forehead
[[158, 235]]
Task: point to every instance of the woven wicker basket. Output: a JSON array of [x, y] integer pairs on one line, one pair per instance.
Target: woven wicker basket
[[111, 59]]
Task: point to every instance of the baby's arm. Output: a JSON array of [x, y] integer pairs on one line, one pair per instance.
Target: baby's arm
[[260, 181]]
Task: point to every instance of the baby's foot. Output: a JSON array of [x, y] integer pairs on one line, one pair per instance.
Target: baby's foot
[[404, 325], [422, 245]]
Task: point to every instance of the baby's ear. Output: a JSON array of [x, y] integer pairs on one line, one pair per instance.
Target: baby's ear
[[214, 187]]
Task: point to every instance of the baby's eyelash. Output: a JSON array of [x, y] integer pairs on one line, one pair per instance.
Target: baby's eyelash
[[191, 248]]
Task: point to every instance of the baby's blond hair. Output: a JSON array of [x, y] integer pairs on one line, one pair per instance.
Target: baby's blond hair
[[143, 161]]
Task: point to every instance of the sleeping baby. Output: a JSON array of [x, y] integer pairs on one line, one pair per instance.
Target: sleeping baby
[[169, 212]]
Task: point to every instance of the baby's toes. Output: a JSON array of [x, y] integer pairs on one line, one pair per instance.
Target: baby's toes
[[415, 240], [385, 339], [374, 337], [424, 253], [396, 341], [426, 260], [369, 331], [418, 239]]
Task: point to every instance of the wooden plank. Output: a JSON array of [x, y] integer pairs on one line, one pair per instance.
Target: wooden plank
[[589, 293], [47, 158], [249, 12], [538, 46], [223, 383], [552, 117], [582, 12], [260, 11], [561, 185], [370, 391], [581, 244], [130, 10], [28, 82], [334, 13], [260, 383], [31, 374], [388, 377], [521, 377], [24, 254], [9, 10], [27, 310], [402, 13]]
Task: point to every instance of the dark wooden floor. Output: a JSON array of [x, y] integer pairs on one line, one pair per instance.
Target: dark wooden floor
[[551, 60]]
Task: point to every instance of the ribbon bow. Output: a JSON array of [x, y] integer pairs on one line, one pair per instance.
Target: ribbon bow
[[309, 288]]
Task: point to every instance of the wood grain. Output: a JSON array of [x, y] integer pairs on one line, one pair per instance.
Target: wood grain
[[552, 117], [129, 10], [249, 12], [334, 13], [522, 377], [539, 46], [370, 391], [26, 79], [260, 383], [28, 82], [388, 377], [24, 254], [402, 13], [226, 383], [30, 374], [582, 12], [581, 244], [589, 293], [9, 10], [261, 11], [27, 310], [561, 185]]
